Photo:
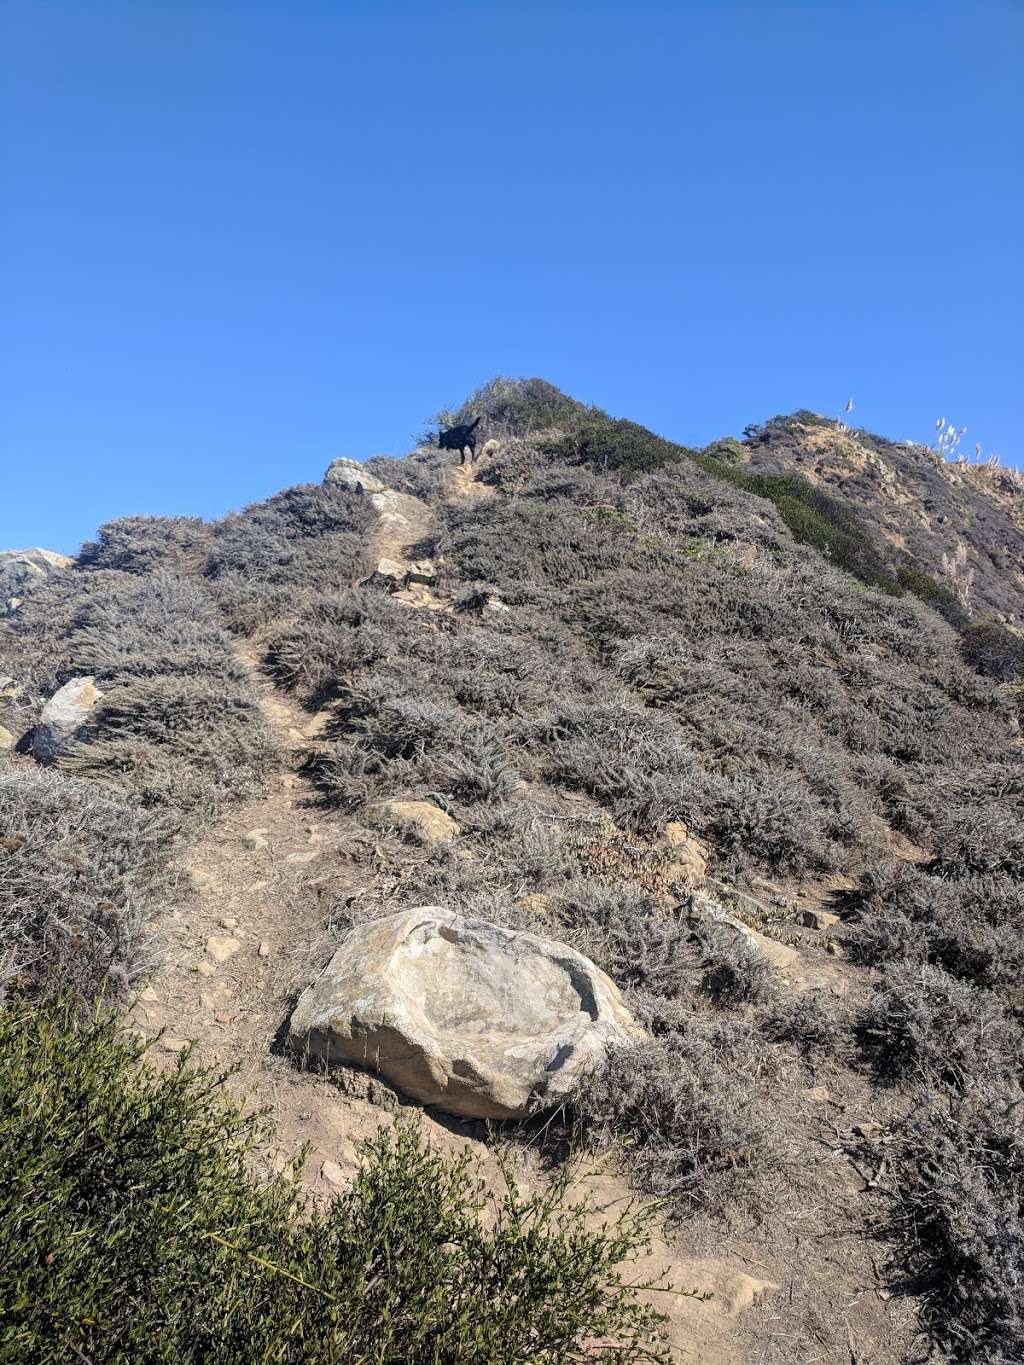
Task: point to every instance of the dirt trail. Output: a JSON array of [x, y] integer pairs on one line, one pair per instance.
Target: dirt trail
[[259, 887]]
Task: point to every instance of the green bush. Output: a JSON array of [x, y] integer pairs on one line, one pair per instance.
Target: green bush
[[132, 1230], [922, 585], [517, 406], [611, 443], [814, 518]]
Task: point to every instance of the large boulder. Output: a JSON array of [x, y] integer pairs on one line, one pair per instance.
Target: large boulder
[[63, 716], [459, 1013]]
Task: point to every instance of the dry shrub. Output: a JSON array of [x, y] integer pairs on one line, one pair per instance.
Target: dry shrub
[[957, 1221], [686, 1108], [922, 1024], [81, 872]]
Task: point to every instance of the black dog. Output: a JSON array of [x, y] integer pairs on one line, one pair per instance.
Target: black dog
[[461, 439]]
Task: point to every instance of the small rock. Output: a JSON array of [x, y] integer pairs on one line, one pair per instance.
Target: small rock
[[206, 969], [818, 919], [740, 1291], [676, 833], [256, 839], [536, 904], [6, 738], [389, 575], [780, 955], [148, 994], [332, 1172], [174, 1044], [217, 997], [63, 716], [421, 571], [307, 856], [422, 820], [494, 607], [689, 861], [221, 948], [223, 1017], [817, 1093], [264, 949], [868, 1128], [229, 922], [282, 1166], [835, 949]]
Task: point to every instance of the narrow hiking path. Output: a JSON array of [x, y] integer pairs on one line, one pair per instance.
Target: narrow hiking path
[[250, 930]]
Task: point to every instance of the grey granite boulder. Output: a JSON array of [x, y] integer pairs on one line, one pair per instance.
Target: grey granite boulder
[[63, 716], [463, 1014]]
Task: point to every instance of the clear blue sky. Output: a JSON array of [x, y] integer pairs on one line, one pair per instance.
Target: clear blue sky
[[240, 239]]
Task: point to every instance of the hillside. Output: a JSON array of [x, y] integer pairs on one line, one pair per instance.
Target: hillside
[[713, 718], [919, 505]]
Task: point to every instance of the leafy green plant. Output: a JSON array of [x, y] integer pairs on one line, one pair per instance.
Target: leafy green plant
[[610, 443], [133, 1230]]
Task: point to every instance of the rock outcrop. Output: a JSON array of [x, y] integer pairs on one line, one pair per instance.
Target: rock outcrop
[[689, 858], [460, 1013], [20, 570], [780, 955], [63, 716], [351, 474]]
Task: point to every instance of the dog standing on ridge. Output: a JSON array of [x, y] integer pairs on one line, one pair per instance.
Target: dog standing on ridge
[[461, 438]]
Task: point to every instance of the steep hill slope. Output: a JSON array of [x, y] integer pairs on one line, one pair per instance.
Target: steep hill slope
[[916, 502], [768, 794]]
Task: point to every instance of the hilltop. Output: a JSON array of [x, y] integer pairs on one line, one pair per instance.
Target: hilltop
[[920, 506], [724, 720]]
